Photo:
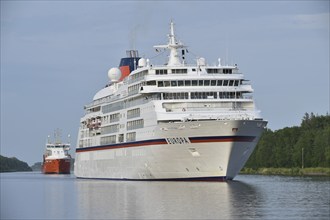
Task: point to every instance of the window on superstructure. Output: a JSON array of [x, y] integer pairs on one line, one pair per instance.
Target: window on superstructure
[[173, 83], [212, 71], [213, 82], [187, 83], [160, 83], [121, 138], [114, 117], [219, 83], [131, 136], [227, 71], [110, 129], [161, 72], [194, 82], [200, 82], [167, 83], [206, 82], [135, 88], [113, 107], [180, 83], [133, 113], [179, 71], [231, 82], [225, 83], [176, 95], [96, 109], [108, 140], [204, 95], [151, 83], [135, 124], [236, 83]]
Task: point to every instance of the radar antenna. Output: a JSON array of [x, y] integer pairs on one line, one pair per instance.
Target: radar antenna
[[172, 45]]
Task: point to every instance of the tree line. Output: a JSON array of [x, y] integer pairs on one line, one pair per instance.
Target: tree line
[[12, 165], [307, 145]]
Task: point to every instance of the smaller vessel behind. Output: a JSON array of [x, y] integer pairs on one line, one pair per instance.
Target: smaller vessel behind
[[56, 159]]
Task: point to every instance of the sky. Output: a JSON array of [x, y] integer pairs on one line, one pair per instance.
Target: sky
[[55, 56]]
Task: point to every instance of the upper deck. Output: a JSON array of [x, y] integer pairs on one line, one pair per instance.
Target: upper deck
[[174, 81]]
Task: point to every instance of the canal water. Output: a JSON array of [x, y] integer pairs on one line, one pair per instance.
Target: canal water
[[32, 195]]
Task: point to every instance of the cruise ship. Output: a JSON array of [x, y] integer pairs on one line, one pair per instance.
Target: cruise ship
[[175, 121]]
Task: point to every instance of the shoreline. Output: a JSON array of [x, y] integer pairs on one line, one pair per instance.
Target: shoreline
[[294, 171]]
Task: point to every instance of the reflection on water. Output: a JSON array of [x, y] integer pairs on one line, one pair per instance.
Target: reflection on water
[[38, 196], [126, 199]]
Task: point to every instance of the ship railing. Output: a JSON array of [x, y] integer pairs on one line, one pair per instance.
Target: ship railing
[[106, 99], [223, 116], [211, 110]]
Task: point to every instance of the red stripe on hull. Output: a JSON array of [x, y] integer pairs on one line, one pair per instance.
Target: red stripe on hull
[[163, 142], [115, 146], [56, 166], [233, 139]]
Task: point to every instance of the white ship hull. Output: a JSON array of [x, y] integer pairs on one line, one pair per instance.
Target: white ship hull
[[209, 150]]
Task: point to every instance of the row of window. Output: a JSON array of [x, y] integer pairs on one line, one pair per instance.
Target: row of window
[[137, 76], [161, 72], [112, 107], [175, 83], [176, 95], [173, 71], [135, 88], [184, 71], [179, 71], [224, 71], [110, 129], [108, 140], [112, 139], [202, 95], [133, 113], [135, 124], [111, 118], [131, 136], [165, 96], [128, 103]]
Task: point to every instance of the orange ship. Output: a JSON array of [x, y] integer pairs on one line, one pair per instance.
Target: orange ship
[[56, 159]]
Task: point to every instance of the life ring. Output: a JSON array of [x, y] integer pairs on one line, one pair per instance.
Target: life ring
[[183, 109]]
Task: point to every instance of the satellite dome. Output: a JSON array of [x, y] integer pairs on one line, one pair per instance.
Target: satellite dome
[[114, 74], [142, 62]]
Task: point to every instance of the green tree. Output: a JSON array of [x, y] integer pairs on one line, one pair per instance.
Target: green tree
[[12, 165], [285, 147]]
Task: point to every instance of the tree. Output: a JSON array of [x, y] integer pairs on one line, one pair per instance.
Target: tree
[[12, 165], [284, 147]]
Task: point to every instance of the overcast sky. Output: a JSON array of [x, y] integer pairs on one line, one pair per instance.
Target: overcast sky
[[55, 56]]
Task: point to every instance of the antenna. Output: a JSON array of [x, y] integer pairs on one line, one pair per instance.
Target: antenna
[[172, 46], [57, 136], [226, 49], [69, 138]]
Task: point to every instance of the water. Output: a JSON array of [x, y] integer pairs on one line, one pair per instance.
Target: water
[[33, 195]]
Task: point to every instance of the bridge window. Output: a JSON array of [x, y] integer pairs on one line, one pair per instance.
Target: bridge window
[[161, 72], [227, 71]]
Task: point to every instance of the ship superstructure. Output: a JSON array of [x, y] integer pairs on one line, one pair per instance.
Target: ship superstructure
[[56, 159], [169, 122]]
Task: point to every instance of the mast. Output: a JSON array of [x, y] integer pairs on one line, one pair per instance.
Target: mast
[[172, 45]]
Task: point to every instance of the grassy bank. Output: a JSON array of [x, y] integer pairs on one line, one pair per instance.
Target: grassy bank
[[295, 171]]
